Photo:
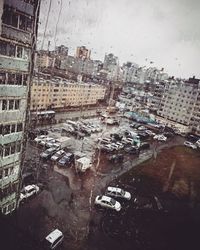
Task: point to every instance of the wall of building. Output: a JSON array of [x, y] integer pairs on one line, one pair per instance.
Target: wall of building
[[47, 94], [17, 28]]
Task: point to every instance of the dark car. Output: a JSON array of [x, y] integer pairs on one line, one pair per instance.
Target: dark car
[[131, 150], [116, 137], [144, 145], [48, 153], [66, 160], [143, 135]]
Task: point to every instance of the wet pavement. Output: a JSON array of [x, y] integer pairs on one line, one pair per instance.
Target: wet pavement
[[162, 214]]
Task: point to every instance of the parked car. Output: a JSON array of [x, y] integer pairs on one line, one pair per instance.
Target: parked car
[[150, 133], [104, 140], [29, 191], [46, 140], [57, 155], [131, 150], [54, 239], [120, 145], [116, 158], [143, 135], [118, 193], [106, 148], [107, 202], [144, 145], [160, 137], [190, 145], [116, 137], [141, 128], [49, 143], [53, 144], [48, 153], [66, 160], [40, 138]]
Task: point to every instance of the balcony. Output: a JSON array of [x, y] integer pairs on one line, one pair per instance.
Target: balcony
[[21, 6], [11, 63], [15, 34], [13, 91], [10, 159], [11, 138]]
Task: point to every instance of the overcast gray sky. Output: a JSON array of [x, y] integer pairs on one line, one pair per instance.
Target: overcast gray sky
[[166, 32]]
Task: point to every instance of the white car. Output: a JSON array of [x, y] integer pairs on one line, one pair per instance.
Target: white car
[[40, 138], [190, 145], [29, 191], [57, 155], [149, 132], [118, 193], [107, 202], [54, 239], [45, 141], [114, 146], [160, 137], [120, 145], [141, 128]]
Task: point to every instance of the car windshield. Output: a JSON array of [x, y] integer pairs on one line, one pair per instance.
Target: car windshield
[[50, 150], [122, 192], [112, 201]]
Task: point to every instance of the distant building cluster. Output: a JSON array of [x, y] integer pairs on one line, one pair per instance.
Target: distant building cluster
[[58, 93], [109, 69]]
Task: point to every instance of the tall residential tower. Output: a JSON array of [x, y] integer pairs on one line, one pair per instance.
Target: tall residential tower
[[18, 29]]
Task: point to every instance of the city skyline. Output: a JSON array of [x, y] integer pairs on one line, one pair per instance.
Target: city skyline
[[165, 33]]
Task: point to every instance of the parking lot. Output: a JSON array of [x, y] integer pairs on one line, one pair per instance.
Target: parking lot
[[66, 197], [67, 194]]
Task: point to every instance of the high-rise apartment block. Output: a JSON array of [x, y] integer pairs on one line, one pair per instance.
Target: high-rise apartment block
[[83, 53], [18, 28], [180, 105]]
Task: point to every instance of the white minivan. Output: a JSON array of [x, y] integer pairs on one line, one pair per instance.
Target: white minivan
[[54, 239]]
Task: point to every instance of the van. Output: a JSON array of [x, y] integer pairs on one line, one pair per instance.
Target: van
[[54, 239]]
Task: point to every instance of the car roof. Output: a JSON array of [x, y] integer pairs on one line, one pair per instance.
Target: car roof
[[114, 189], [54, 235], [106, 198], [60, 152], [29, 187]]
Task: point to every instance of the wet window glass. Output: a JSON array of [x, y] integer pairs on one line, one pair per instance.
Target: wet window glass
[[13, 128], [6, 129], [11, 104], [3, 48], [19, 52], [17, 102], [6, 150], [4, 104]]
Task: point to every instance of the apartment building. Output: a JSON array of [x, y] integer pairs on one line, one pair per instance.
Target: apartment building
[[179, 106], [18, 25], [60, 94]]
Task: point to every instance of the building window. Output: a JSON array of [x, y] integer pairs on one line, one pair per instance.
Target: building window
[[4, 105], [6, 130], [19, 127], [11, 104], [16, 104], [3, 48], [19, 52], [6, 150]]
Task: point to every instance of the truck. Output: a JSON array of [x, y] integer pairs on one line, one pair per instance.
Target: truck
[[82, 164]]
